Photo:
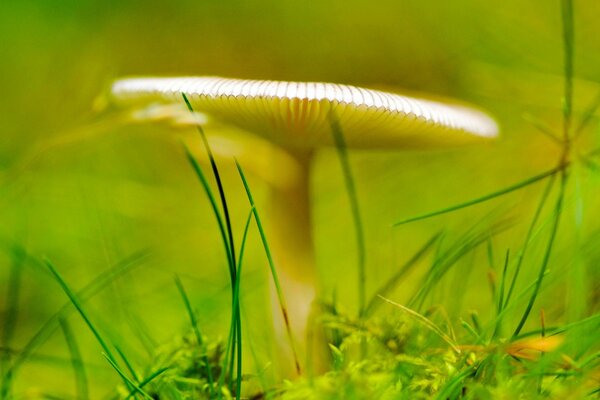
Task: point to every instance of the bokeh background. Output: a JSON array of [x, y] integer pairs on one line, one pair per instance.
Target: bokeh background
[[85, 191]]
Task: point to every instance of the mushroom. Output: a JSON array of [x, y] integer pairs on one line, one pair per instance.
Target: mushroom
[[295, 116]]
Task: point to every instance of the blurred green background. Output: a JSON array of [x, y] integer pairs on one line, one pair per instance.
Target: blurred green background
[[87, 192]]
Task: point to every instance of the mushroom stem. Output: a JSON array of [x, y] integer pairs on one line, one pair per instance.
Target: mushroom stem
[[293, 250]]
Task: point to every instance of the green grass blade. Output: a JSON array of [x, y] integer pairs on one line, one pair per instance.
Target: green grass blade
[[278, 290], [340, 144], [94, 287], [78, 306], [215, 209], [81, 382], [238, 386], [548, 252], [487, 197], [217, 177], [10, 318], [196, 329], [147, 381], [385, 289], [125, 378], [235, 325], [127, 363]]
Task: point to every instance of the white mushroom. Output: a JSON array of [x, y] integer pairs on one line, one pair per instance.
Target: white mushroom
[[296, 117]]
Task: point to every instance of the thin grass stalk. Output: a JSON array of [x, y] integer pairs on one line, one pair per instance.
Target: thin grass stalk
[[233, 331], [229, 236], [10, 318], [487, 197], [127, 380], [340, 144], [87, 292], [127, 363], [146, 381], [217, 177], [77, 304], [215, 209], [278, 290], [81, 382]]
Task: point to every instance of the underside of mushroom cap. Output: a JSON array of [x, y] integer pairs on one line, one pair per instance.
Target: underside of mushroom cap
[[299, 113]]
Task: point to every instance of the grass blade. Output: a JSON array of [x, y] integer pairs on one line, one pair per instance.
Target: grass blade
[[215, 209], [77, 304], [127, 363], [280, 296], [485, 198], [235, 331], [81, 382], [10, 318], [90, 290], [217, 177], [127, 380], [146, 381], [340, 144]]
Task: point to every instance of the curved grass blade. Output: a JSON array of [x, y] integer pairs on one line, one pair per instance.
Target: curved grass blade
[[217, 177], [127, 363], [215, 209], [81, 382], [76, 303], [147, 380], [279, 291], [194, 322], [127, 380], [485, 198], [90, 290], [340, 144], [10, 318], [235, 334]]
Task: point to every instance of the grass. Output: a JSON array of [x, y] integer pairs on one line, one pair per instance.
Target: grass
[[411, 348]]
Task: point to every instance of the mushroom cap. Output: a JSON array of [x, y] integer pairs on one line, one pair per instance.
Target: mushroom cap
[[298, 114]]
